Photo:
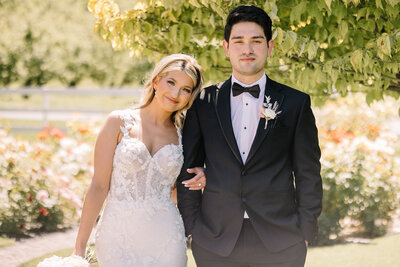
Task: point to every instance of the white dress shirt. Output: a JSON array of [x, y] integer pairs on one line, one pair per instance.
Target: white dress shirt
[[245, 117]]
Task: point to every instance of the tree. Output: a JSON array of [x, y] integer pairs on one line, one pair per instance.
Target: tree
[[322, 47]]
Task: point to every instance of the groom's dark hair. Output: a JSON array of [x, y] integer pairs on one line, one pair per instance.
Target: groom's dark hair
[[248, 14]]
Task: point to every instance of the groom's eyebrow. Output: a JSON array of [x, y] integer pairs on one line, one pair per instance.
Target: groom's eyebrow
[[253, 37], [258, 37]]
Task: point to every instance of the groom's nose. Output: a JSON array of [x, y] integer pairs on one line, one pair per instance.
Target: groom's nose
[[247, 48]]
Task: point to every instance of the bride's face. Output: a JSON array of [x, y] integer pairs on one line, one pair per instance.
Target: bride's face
[[173, 90]]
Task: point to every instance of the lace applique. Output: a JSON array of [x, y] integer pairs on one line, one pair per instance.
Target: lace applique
[[140, 225]]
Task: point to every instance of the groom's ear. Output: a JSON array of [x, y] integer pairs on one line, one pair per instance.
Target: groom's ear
[[225, 44], [270, 46]]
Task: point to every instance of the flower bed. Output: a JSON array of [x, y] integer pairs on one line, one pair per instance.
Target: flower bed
[[42, 183], [360, 169]]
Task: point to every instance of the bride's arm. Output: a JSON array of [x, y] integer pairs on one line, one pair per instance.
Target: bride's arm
[[106, 143]]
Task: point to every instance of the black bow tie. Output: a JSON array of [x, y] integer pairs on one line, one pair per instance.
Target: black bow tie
[[254, 90]]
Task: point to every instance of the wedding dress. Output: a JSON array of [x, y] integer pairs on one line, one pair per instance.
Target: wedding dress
[[140, 225]]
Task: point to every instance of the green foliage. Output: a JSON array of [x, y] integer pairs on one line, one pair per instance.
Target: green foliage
[[321, 47], [46, 41]]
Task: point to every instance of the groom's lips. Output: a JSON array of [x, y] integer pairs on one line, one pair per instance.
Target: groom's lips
[[248, 59]]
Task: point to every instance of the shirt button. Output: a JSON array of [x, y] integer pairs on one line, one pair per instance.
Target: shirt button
[[243, 153], [247, 104], [245, 128]]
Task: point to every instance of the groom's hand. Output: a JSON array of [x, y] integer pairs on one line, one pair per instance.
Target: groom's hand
[[198, 182]]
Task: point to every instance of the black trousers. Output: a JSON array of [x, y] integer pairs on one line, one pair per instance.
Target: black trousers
[[249, 251]]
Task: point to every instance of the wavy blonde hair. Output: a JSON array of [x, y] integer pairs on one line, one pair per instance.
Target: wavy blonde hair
[[182, 62]]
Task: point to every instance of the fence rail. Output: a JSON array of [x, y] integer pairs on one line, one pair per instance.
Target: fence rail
[[46, 112]]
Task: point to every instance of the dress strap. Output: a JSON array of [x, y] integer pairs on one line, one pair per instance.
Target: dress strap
[[127, 117], [179, 132]]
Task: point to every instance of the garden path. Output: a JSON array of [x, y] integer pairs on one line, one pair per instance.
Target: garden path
[[27, 249]]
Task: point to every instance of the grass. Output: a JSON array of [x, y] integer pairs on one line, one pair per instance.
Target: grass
[[105, 103], [383, 252], [4, 242], [67, 252]]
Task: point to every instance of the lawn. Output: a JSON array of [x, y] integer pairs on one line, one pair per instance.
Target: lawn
[[4, 242], [106, 103], [382, 252], [83, 102]]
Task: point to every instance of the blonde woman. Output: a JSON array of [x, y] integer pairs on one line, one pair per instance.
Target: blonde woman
[[138, 155]]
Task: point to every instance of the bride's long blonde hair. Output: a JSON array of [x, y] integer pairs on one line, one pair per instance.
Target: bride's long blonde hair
[[182, 62]]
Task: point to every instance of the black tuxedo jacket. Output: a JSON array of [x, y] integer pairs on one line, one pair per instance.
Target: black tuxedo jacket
[[279, 185]]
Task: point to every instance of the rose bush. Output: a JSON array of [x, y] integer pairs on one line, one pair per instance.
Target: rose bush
[[360, 169], [42, 183]]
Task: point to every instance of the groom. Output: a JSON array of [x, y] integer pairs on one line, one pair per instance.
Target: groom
[[263, 193]]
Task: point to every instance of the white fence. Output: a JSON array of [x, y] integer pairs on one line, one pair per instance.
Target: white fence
[[46, 112]]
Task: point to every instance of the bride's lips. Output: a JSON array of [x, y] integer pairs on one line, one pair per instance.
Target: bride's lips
[[171, 100]]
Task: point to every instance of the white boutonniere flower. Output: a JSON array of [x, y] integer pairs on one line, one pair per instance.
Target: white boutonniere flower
[[269, 111]]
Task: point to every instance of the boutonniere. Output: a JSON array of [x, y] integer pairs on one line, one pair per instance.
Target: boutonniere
[[269, 111]]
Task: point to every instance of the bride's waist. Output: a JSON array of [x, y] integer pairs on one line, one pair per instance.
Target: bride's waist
[[153, 203]]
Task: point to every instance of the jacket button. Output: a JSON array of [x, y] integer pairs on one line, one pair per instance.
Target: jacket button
[[243, 199]]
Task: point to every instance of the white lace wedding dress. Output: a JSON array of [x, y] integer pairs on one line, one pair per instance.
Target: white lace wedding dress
[[140, 225]]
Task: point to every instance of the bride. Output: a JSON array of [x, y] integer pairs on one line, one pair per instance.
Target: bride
[[138, 155]]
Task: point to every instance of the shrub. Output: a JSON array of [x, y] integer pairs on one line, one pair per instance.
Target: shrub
[[360, 172], [42, 183]]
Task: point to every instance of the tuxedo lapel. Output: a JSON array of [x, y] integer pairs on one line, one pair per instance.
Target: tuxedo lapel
[[222, 103], [261, 131]]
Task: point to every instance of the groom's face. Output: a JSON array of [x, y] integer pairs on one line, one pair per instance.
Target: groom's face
[[247, 49]]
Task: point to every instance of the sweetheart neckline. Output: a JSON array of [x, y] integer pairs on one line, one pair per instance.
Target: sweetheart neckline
[[147, 150]]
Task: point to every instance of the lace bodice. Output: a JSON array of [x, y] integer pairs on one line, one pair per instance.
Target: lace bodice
[[139, 177]]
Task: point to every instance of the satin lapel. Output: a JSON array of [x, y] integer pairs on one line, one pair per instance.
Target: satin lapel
[[261, 131], [222, 102]]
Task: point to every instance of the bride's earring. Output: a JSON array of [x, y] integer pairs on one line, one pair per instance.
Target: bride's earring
[[155, 92]]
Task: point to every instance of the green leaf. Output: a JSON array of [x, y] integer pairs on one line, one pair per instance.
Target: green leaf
[[392, 2], [378, 4], [383, 44], [186, 33], [297, 11], [356, 60], [195, 3], [373, 95], [312, 49], [128, 27], [173, 33], [343, 29], [328, 3], [289, 41], [341, 86], [278, 36]]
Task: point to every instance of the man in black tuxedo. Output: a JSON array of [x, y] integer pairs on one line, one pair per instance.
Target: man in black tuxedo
[[263, 193]]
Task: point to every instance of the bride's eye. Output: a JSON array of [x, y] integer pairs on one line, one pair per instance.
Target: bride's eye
[[171, 82]]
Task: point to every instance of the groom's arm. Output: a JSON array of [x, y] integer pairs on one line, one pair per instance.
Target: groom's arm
[[189, 201], [307, 167]]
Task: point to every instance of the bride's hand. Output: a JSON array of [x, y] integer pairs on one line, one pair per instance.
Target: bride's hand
[[198, 182]]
